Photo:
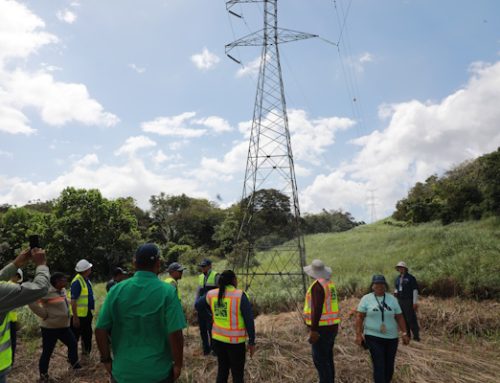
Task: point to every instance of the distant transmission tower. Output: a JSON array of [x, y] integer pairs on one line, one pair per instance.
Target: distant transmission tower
[[270, 164]]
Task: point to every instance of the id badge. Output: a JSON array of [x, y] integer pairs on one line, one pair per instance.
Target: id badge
[[383, 329]]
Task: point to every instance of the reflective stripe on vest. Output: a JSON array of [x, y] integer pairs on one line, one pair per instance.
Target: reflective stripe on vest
[[210, 279], [228, 326], [330, 312], [5, 347], [82, 303]]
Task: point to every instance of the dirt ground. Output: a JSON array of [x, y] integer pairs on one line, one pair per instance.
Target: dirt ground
[[460, 343]]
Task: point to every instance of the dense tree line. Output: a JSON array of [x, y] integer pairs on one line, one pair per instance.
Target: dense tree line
[[469, 191], [83, 224]]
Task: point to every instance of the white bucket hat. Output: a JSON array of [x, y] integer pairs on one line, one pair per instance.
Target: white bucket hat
[[402, 264], [82, 265], [318, 270]]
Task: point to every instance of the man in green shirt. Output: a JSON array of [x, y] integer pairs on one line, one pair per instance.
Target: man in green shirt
[[144, 318]]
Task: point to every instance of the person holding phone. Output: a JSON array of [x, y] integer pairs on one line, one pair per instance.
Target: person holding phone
[[377, 321], [13, 296]]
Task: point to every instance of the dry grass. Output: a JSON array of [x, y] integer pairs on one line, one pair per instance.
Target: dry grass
[[460, 345]]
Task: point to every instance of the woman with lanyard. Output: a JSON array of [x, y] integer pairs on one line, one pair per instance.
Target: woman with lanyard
[[233, 324], [377, 321]]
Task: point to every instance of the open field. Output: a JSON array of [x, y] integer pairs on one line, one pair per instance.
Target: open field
[[461, 343]]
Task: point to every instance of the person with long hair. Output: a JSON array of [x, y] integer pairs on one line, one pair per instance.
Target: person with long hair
[[233, 323], [378, 318]]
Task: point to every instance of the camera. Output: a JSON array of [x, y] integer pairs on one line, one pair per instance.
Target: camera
[[34, 241]]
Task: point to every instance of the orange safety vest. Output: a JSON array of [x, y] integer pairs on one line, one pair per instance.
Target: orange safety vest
[[228, 325], [330, 312]]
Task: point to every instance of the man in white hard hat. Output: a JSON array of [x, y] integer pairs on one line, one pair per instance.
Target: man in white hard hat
[[82, 305], [407, 294]]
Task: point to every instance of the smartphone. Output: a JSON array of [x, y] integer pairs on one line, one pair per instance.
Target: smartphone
[[34, 241]]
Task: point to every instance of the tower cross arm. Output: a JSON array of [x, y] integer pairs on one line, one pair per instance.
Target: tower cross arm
[[257, 39], [232, 3]]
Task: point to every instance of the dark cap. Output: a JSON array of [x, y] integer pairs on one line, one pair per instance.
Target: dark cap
[[206, 262], [118, 271], [377, 278], [147, 254], [175, 266]]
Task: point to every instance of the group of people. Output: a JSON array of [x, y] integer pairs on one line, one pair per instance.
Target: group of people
[[139, 330]]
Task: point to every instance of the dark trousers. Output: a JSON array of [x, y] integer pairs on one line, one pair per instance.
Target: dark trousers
[[322, 353], [85, 332], [410, 317], [205, 324], [230, 357], [13, 340], [383, 353], [170, 379], [50, 336]]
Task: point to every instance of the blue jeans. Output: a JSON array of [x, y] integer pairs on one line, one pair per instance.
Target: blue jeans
[[3, 377], [383, 353], [322, 353]]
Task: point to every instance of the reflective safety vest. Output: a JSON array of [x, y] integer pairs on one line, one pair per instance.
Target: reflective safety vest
[[228, 326], [82, 303], [330, 313], [5, 347], [12, 315], [210, 284], [173, 282]]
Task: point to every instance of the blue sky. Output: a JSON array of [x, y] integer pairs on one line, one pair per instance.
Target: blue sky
[[136, 98]]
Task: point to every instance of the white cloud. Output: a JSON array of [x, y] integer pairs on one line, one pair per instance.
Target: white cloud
[[419, 140], [133, 144], [57, 102], [366, 58], [136, 68], [205, 60], [87, 161], [217, 124], [66, 16], [133, 178], [173, 126], [251, 69], [21, 31], [21, 35], [310, 138]]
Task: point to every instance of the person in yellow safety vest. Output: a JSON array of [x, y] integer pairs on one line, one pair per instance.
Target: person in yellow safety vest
[[321, 314], [207, 281], [82, 305], [175, 274], [14, 296], [233, 323], [14, 324]]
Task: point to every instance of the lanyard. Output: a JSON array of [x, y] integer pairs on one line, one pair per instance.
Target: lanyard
[[380, 306]]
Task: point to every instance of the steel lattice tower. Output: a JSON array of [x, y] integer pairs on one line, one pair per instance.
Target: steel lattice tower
[[270, 163]]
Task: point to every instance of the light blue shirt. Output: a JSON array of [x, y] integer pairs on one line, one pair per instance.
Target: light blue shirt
[[373, 320]]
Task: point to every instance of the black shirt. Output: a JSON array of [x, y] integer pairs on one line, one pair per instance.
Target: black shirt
[[405, 285]]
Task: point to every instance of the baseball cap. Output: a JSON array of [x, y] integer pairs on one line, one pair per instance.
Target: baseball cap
[[147, 254], [205, 262], [119, 270], [175, 266], [378, 279]]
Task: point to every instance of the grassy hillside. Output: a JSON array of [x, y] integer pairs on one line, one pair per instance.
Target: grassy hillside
[[458, 259]]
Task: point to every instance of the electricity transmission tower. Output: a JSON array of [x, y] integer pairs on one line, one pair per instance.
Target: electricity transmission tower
[[270, 164]]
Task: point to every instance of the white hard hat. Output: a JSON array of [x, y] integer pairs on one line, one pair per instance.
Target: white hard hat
[[21, 276], [82, 265], [402, 264]]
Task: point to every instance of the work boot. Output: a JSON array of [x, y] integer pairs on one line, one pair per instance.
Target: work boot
[[44, 378]]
